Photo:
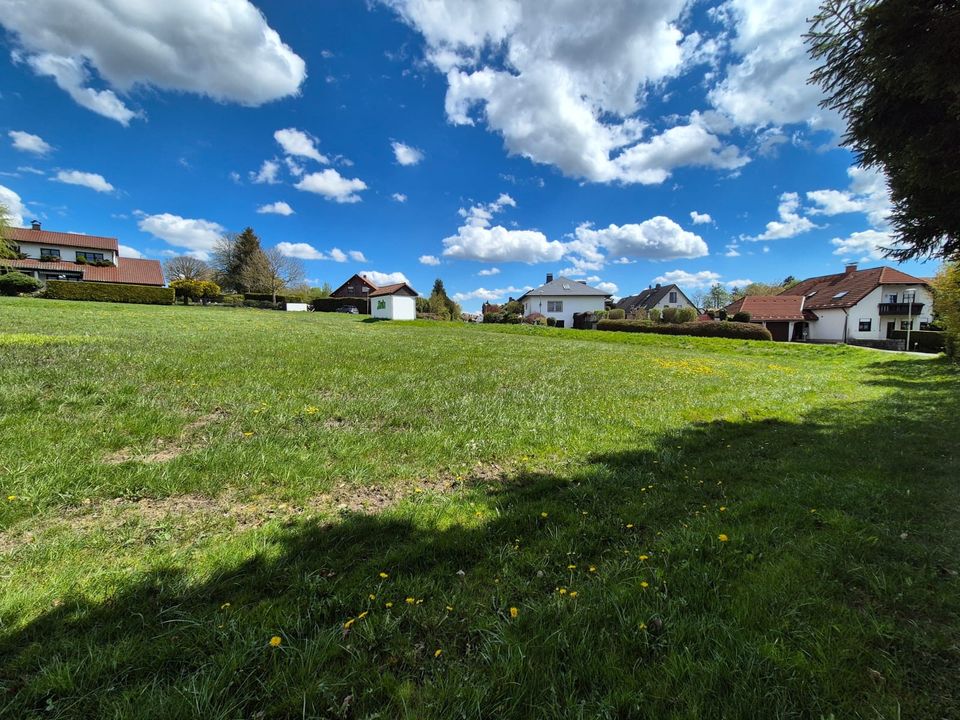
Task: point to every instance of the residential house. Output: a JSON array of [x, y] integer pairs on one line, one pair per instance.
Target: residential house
[[562, 298], [659, 297], [855, 306], [394, 302], [357, 286], [47, 255]]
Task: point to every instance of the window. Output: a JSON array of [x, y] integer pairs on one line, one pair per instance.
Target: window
[[673, 297], [906, 324], [840, 294], [89, 256], [924, 326], [892, 298], [910, 296], [865, 325], [49, 252], [555, 306]]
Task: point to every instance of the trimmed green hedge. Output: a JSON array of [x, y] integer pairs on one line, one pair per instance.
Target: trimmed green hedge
[[330, 304], [931, 341], [737, 331], [264, 297], [109, 292]]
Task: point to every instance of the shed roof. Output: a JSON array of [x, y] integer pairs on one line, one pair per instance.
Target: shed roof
[[395, 289]]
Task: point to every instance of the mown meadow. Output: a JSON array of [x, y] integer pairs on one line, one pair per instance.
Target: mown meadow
[[233, 513]]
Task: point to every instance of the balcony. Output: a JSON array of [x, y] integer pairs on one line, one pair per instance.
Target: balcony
[[901, 308]]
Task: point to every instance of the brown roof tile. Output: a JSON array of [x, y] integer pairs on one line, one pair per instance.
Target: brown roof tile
[[821, 292], [130, 271], [769, 307], [46, 237], [392, 290]]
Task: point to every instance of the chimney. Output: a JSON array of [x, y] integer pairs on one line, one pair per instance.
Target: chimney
[[850, 269], [549, 277], [658, 285], [35, 224]]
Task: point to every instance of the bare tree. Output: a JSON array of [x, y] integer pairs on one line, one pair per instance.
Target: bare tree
[[271, 271], [185, 267]]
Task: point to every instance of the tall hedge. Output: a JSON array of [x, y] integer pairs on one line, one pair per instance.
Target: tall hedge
[[109, 292], [932, 341], [738, 331], [330, 304]]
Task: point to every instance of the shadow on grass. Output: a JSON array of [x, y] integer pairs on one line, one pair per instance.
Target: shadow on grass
[[835, 592]]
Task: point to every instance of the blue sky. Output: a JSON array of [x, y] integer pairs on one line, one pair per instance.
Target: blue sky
[[486, 142]]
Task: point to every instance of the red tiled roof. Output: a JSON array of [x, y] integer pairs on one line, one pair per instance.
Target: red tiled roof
[[821, 292], [130, 271], [769, 307], [392, 290], [45, 237]]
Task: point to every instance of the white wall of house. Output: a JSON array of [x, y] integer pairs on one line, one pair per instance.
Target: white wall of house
[[67, 254], [830, 326], [394, 307], [680, 302], [570, 304]]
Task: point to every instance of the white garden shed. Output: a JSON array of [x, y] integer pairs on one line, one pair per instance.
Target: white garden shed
[[394, 302]]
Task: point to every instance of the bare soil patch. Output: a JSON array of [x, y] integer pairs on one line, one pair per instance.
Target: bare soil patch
[[190, 438]]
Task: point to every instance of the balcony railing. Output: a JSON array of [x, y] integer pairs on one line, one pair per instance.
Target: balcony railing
[[901, 308]]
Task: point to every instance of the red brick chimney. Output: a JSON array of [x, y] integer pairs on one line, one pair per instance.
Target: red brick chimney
[[850, 269]]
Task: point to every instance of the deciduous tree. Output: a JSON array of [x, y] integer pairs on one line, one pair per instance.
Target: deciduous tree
[[186, 267]]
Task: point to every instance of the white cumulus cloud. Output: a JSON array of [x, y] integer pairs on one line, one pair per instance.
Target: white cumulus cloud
[[658, 238], [429, 260], [357, 256], [381, 278], [224, 50], [696, 280], [297, 143], [276, 208], [267, 175], [489, 295], [28, 142], [16, 210], [864, 245], [405, 154], [399, 197], [562, 82], [700, 218], [333, 186], [129, 252], [489, 271], [197, 236], [868, 194], [791, 222], [93, 181]]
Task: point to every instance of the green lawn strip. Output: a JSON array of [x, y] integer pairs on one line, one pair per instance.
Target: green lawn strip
[[834, 592]]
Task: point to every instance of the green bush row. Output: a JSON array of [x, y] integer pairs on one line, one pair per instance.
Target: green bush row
[[109, 292], [738, 331], [330, 304]]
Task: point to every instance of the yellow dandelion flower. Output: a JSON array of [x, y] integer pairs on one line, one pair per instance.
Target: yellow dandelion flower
[[643, 626], [593, 568], [644, 557], [723, 509], [571, 567], [388, 605], [410, 600], [573, 593], [275, 641], [225, 606], [11, 498], [563, 591], [371, 596], [449, 608], [514, 612], [349, 623], [437, 653], [362, 615], [722, 537], [644, 584], [629, 525], [384, 575], [247, 434], [543, 515]]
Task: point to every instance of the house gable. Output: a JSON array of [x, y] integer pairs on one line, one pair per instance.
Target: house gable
[[355, 286]]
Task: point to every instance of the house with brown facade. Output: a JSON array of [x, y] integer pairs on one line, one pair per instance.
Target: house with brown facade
[[47, 255], [855, 306]]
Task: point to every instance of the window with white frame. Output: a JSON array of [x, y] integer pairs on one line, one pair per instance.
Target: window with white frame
[[865, 324], [673, 297], [554, 306], [50, 252]]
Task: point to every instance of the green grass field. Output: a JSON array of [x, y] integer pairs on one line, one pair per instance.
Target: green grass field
[[247, 514]]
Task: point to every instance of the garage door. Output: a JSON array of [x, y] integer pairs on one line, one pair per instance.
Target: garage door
[[779, 330]]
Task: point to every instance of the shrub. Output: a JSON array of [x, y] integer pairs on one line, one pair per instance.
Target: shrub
[[535, 318], [264, 297], [49, 258], [188, 290], [263, 304], [514, 307], [738, 331], [741, 316], [512, 318], [669, 315], [79, 261], [14, 283], [109, 292], [932, 341], [102, 263], [617, 314], [551, 322], [654, 314], [686, 314], [493, 317], [232, 300], [330, 304]]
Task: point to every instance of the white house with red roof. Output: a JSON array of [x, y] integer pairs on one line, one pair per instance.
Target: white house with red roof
[[855, 306], [47, 255]]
